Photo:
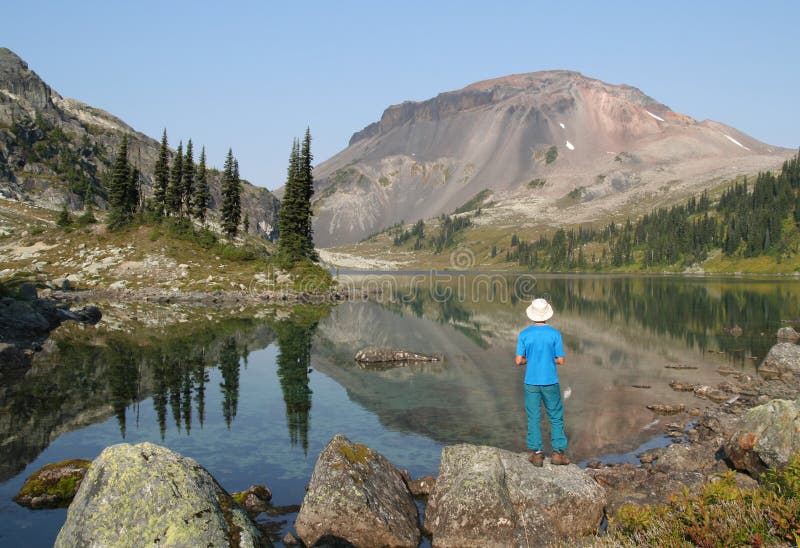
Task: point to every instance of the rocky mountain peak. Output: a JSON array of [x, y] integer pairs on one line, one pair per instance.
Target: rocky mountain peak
[[18, 82], [543, 139]]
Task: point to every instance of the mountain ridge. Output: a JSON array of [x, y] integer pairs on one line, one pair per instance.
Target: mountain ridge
[[52, 169], [616, 144]]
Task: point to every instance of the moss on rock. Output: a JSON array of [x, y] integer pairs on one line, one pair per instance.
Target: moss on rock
[[54, 485]]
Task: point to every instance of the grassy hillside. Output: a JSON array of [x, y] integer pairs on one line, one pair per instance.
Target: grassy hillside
[[166, 256]]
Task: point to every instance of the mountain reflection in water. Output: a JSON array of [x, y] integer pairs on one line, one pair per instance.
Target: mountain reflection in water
[[255, 398]]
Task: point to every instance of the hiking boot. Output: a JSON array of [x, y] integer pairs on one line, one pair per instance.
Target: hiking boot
[[536, 458], [559, 458]]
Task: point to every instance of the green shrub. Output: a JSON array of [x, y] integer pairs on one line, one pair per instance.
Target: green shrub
[[721, 514]]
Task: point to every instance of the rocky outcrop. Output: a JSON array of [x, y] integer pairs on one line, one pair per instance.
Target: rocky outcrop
[[25, 318], [486, 496], [53, 485], [358, 496], [766, 437], [147, 495], [783, 360], [386, 355]]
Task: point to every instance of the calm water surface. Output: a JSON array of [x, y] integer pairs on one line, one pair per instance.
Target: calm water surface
[[256, 399]]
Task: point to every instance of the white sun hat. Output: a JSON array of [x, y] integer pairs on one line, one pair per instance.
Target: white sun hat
[[539, 310]]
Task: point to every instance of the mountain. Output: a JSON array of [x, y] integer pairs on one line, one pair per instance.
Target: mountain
[[52, 147], [540, 149]]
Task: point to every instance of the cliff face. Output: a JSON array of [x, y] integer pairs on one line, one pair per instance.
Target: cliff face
[[52, 147], [530, 139]]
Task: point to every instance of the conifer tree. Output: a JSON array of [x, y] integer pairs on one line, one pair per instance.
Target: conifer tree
[[295, 238], [118, 194], [231, 206], [187, 185], [307, 187], [88, 207], [201, 195], [174, 198], [132, 192], [64, 217], [161, 175]]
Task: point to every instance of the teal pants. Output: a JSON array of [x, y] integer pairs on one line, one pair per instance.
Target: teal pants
[[550, 395]]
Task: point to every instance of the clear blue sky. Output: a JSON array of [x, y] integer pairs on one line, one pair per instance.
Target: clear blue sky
[[252, 75]]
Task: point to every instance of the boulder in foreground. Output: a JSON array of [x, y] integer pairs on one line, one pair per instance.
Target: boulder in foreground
[[766, 437], [147, 495], [486, 496], [358, 496]]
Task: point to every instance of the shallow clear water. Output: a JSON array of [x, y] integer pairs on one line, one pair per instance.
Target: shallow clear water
[[255, 400]]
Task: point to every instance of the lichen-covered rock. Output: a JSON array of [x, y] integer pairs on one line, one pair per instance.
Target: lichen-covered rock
[[667, 408], [766, 437], [147, 495], [783, 359], [357, 495], [486, 496], [53, 485]]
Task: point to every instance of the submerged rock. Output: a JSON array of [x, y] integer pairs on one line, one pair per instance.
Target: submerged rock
[[766, 437], [666, 408], [145, 495], [486, 496], [383, 355], [358, 496], [53, 485]]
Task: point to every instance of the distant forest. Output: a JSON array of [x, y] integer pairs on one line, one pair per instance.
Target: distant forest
[[747, 221]]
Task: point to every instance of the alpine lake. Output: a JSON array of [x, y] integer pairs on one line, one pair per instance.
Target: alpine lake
[[255, 397]]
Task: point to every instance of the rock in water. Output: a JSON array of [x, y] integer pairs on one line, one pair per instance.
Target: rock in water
[[486, 496], [782, 359], [788, 333], [766, 437], [383, 355], [53, 485], [358, 496], [147, 495]]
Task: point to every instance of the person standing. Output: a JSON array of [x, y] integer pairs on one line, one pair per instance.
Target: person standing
[[540, 349]]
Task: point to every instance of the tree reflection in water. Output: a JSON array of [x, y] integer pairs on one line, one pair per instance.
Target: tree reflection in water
[[295, 335]]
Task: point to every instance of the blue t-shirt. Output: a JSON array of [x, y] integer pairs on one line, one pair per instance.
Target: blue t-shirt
[[540, 345]]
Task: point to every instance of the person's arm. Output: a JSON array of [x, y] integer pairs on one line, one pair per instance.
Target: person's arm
[[558, 350], [519, 359]]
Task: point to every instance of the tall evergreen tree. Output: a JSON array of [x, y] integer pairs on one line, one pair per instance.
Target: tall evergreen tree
[[306, 184], [291, 235], [118, 192], [133, 191], [161, 175], [202, 196], [188, 182], [174, 198], [231, 206]]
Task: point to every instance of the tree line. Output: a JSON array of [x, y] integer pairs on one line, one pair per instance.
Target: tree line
[[747, 221], [180, 189]]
